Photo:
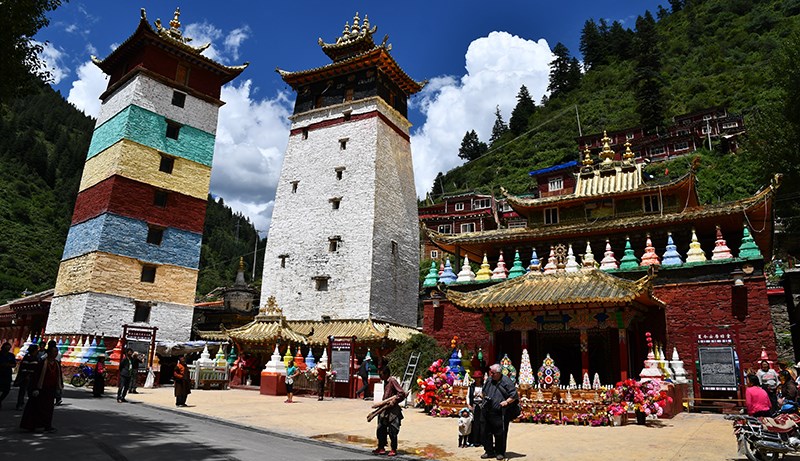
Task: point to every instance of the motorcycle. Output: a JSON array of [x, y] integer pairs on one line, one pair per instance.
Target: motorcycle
[[768, 438], [85, 376]]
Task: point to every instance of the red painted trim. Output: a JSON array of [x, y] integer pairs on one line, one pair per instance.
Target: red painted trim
[[134, 199], [353, 118]]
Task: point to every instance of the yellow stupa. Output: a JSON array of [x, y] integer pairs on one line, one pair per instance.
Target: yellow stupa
[[695, 253], [485, 272], [288, 357]]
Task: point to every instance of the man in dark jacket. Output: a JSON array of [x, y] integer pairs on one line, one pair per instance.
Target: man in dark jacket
[[363, 373], [125, 366], [501, 406], [26, 370], [136, 359]]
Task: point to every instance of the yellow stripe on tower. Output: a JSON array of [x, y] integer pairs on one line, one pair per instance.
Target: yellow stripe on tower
[[121, 276], [141, 163]]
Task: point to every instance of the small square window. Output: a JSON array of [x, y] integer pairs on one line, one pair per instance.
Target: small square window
[[681, 146], [305, 133], [148, 274], [468, 227], [394, 247], [155, 235], [459, 206], [651, 204], [339, 173], [551, 215], [434, 254], [335, 202], [178, 98], [283, 259], [321, 283], [556, 183], [142, 312], [160, 198], [173, 130], [167, 164], [334, 243], [294, 186], [343, 143], [445, 229]]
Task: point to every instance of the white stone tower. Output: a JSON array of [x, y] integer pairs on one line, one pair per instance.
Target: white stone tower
[[344, 239]]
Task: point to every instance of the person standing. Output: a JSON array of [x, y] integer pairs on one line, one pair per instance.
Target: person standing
[[124, 376], [363, 373], [389, 420], [501, 406], [769, 381], [136, 359], [292, 372], [7, 364], [99, 386], [50, 344], [26, 369], [183, 382], [475, 404], [44, 383], [322, 375]]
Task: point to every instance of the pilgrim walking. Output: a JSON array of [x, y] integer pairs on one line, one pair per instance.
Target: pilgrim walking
[[44, 383], [183, 382]]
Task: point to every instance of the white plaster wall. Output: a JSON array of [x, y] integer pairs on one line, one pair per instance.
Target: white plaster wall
[[155, 96], [95, 313], [302, 222]]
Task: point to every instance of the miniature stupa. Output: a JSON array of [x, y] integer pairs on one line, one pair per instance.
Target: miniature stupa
[[609, 261], [677, 367], [596, 381], [288, 357], [628, 260], [551, 267], [466, 274], [572, 264], [116, 353], [535, 265], [432, 278], [299, 362], [500, 272], [63, 347], [485, 272], [525, 369], [441, 268], [516, 268], [663, 363], [695, 253], [310, 360], [101, 348], [586, 385], [275, 364], [232, 356], [650, 370], [572, 383], [24, 349], [91, 354], [588, 262], [721, 250], [323, 358], [671, 256], [748, 248], [568, 398], [66, 357], [649, 258], [549, 374], [205, 358], [448, 276], [507, 368]]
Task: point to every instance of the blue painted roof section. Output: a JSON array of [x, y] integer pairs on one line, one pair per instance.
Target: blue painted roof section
[[551, 169]]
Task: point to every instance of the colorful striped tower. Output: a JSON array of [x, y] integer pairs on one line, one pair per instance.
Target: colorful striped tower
[[721, 250], [133, 249], [695, 253], [649, 258]]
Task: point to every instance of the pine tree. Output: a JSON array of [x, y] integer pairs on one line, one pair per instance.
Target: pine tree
[[472, 147], [522, 112], [647, 81], [500, 128], [619, 41], [591, 44], [559, 71], [438, 185]]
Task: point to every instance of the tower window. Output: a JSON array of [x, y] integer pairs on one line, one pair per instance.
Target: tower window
[[434, 254], [348, 94], [321, 283], [155, 235], [334, 243], [339, 172], [178, 98], [343, 143], [335, 202], [551, 215], [173, 129], [305, 133], [394, 247], [283, 259], [160, 198], [294, 186], [142, 312], [651, 204], [167, 164], [148, 274]]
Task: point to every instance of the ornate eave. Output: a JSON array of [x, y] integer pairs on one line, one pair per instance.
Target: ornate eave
[[171, 41], [354, 40], [561, 290]]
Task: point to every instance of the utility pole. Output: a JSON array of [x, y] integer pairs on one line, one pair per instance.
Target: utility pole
[[578, 116], [708, 133]]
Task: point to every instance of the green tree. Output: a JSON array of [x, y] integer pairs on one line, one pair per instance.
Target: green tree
[[499, 129], [560, 76], [522, 112], [19, 53], [591, 44], [471, 147], [647, 81], [429, 351], [438, 185]]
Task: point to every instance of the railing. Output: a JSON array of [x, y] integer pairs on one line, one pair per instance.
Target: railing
[[205, 376]]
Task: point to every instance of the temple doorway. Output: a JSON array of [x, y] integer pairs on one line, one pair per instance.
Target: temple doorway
[[564, 348], [507, 343]]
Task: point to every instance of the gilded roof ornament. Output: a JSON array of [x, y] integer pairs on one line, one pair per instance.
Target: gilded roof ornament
[[607, 154], [174, 31], [628, 153], [587, 158]]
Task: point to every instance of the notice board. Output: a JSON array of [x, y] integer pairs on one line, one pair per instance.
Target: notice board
[[341, 351], [717, 368]]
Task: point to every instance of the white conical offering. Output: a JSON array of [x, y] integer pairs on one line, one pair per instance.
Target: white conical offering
[[466, 274], [525, 369], [677, 366], [588, 258], [596, 381], [205, 358], [275, 364], [586, 385], [609, 261], [572, 383], [500, 272], [572, 264], [695, 253], [324, 358]]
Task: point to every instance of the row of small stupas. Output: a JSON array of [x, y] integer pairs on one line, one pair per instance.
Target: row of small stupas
[[75, 351], [671, 257]]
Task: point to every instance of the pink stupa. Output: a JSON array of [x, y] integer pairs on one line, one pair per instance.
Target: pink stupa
[[649, 258], [609, 261], [721, 250], [500, 272], [551, 267]]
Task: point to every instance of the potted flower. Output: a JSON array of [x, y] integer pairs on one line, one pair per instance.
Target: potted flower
[[616, 411]]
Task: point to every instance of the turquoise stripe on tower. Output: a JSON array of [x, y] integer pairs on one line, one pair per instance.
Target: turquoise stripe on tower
[[148, 128], [111, 233]]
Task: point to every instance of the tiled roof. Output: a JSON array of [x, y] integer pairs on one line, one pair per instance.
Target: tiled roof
[[266, 331], [557, 290]]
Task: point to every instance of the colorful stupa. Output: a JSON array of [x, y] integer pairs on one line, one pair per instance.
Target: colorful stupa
[[695, 253], [572, 264], [525, 369], [516, 269], [549, 374], [448, 276], [288, 357], [500, 272], [432, 278], [535, 265], [310, 360], [649, 258], [551, 267], [485, 272], [628, 260], [748, 249], [507, 368], [588, 258], [466, 274], [721, 250], [609, 261], [671, 256]]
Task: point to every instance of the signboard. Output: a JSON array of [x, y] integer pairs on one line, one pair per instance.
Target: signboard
[[717, 368], [341, 350], [141, 347], [142, 340]]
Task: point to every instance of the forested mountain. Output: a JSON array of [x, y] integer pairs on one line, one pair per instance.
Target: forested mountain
[[42, 149], [738, 54]]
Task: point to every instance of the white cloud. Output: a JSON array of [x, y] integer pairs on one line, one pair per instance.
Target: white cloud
[[71, 28], [234, 40], [86, 90], [497, 65], [202, 33], [251, 139], [52, 60]]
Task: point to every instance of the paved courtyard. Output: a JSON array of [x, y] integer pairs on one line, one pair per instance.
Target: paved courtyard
[[343, 421]]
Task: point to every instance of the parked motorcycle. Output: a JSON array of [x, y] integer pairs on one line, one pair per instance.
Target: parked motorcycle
[[85, 376], [765, 438]]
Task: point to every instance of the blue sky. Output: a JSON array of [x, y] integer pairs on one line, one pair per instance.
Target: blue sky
[[475, 54]]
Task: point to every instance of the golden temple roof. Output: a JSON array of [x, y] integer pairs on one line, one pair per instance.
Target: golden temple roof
[[559, 290], [354, 40]]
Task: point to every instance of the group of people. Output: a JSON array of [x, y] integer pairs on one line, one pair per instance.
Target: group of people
[[768, 390]]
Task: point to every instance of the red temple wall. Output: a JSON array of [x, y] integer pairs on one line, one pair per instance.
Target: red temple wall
[[446, 321]]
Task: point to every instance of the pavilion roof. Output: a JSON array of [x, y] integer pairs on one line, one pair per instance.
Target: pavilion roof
[[559, 290]]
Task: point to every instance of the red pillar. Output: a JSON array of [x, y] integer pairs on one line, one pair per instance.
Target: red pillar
[[584, 352], [623, 354]]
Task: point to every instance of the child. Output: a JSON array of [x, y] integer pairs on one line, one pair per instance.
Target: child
[[464, 427]]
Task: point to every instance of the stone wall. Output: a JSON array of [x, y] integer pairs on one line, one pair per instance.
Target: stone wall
[[140, 163], [119, 275], [445, 321], [780, 322]]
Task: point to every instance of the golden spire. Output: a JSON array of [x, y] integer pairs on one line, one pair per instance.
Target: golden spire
[[241, 264], [587, 159], [628, 153], [355, 29], [175, 24], [607, 154]]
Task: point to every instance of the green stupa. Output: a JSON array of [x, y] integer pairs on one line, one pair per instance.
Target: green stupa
[[628, 260], [748, 249], [432, 278], [516, 269]]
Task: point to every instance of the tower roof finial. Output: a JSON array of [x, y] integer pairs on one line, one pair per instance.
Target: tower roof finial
[[587, 159], [628, 155], [607, 154]]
